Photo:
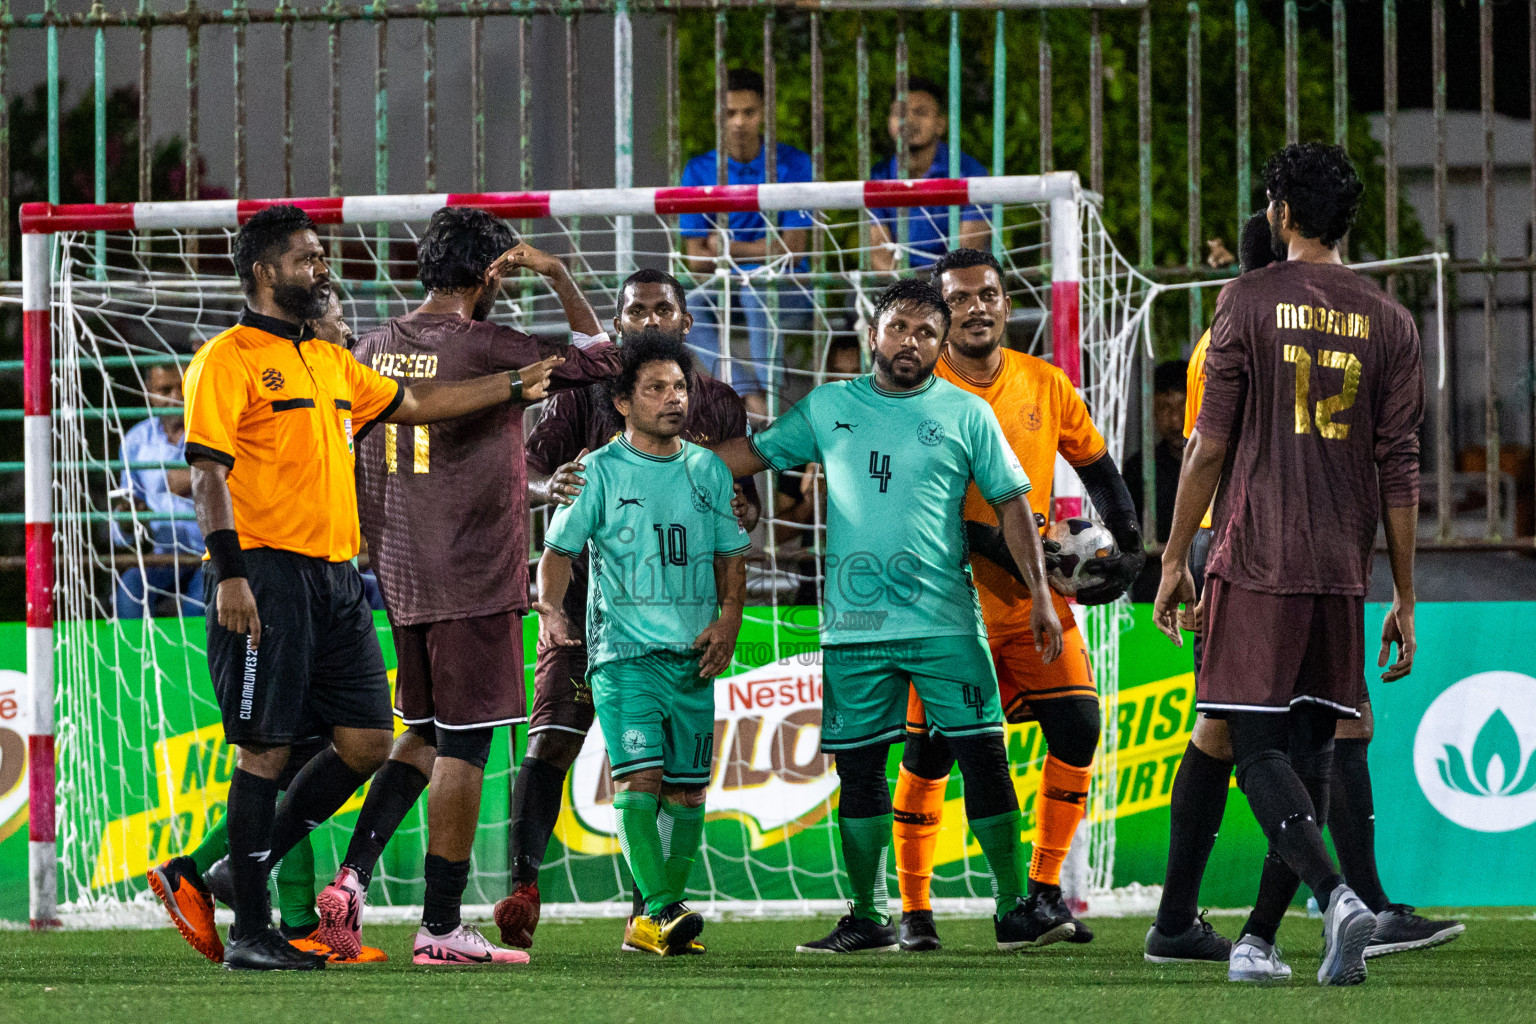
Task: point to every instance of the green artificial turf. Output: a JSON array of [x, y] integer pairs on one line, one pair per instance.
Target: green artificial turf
[[752, 973]]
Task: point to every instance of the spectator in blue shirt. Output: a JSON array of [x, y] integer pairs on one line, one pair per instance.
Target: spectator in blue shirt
[[160, 440], [927, 157], [749, 244]]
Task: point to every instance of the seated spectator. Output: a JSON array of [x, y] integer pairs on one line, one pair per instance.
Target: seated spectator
[[160, 440], [925, 126], [1168, 389], [749, 244]]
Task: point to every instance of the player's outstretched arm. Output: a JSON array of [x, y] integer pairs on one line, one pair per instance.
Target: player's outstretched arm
[[431, 401], [216, 518], [1198, 480], [554, 581], [1018, 524], [738, 456], [718, 640], [1402, 526], [578, 311]]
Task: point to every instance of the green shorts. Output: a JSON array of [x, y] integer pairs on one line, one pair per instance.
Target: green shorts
[[655, 712], [865, 689]]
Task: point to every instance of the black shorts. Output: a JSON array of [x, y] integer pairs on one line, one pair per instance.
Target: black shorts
[[562, 698], [1268, 652], [1199, 554], [319, 660], [461, 673]]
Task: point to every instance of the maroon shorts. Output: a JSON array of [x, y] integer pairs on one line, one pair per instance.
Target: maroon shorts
[[461, 673], [1266, 652], [562, 700]]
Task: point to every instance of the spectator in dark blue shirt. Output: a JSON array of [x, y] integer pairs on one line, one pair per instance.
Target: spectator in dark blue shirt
[[926, 124], [756, 252], [166, 488]]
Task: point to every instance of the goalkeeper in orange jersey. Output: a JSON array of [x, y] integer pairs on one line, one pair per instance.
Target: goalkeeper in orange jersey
[[1042, 415]]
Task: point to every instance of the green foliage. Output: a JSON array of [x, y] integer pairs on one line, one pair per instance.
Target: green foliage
[[928, 43], [77, 154]]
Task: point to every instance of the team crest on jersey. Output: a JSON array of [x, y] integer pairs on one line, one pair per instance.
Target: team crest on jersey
[[701, 502], [272, 379], [930, 432], [832, 723], [1030, 414], [633, 740]]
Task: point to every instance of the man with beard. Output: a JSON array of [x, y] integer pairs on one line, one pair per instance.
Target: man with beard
[[446, 522], [899, 609], [1042, 416], [272, 413], [574, 423]]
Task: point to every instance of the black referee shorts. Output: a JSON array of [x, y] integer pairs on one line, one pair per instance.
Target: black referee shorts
[[319, 660]]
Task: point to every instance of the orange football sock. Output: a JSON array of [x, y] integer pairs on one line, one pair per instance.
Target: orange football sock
[[1059, 810], [919, 807]]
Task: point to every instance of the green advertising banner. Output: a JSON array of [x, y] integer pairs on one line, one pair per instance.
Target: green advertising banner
[[1454, 765]]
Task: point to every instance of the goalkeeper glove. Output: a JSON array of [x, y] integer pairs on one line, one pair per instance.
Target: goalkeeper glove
[[987, 541], [1115, 573]]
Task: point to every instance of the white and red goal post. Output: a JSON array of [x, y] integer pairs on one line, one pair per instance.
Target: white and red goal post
[[1060, 193]]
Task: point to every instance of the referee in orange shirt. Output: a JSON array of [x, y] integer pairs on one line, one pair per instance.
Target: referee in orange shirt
[[272, 414]]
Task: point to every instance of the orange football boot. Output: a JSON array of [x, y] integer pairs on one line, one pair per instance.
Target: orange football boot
[[180, 888]]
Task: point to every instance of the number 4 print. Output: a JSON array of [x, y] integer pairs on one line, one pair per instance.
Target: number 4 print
[[1330, 407], [880, 469]]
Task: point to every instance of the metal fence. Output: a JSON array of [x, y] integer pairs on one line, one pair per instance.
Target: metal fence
[[1017, 78]]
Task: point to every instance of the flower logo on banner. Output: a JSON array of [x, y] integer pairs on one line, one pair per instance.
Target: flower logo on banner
[[1475, 752]]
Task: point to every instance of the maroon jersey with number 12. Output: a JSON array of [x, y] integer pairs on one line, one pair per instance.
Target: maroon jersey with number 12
[[445, 507], [1315, 378]]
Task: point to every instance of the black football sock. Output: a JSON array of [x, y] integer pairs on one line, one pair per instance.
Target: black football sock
[[251, 807], [446, 880], [395, 790], [1284, 811], [535, 809], [1352, 822], [317, 793], [1277, 887], [636, 903], [1198, 804]]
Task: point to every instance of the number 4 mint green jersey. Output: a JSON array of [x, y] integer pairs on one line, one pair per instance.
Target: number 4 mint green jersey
[[897, 464], [655, 526]]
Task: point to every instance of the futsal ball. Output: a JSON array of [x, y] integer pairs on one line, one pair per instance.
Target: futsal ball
[[1080, 540]]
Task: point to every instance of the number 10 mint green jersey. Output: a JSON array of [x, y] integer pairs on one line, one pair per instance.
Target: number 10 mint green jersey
[[655, 525], [897, 464]]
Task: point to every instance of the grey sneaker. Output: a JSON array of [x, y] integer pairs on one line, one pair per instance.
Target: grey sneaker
[[1255, 960], [1348, 925]]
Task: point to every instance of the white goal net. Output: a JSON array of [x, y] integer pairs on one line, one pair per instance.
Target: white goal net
[[120, 299]]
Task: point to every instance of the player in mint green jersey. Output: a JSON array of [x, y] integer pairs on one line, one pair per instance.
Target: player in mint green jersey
[[898, 449], [667, 552]]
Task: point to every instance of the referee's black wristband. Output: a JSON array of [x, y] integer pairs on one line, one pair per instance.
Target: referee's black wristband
[[516, 377], [225, 554]]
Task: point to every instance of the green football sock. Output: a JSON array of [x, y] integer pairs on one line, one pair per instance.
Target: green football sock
[[296, 886], [682, 830], [999, 839], [214, 846], [641, 842], [866, 845]]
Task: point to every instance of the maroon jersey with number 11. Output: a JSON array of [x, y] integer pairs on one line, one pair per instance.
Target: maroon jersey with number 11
[[445, 507]]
